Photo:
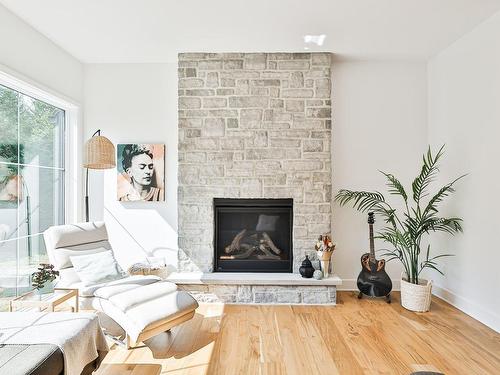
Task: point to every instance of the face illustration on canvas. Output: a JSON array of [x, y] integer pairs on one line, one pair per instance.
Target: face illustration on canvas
[[141, 170], [141, 177]]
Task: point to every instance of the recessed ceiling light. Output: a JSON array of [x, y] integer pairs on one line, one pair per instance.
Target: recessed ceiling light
[[315, 39]]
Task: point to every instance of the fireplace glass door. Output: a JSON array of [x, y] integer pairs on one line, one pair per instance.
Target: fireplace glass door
[[253, 235]]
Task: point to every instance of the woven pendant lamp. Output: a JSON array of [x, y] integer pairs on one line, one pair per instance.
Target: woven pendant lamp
[[98, 153]]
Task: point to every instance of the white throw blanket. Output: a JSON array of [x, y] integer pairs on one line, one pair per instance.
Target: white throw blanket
[[79, 336]]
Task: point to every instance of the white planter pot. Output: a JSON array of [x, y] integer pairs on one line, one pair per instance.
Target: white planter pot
[[48, 288], [416, 297]]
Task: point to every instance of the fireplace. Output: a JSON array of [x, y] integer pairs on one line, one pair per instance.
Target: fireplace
[[253, 235]]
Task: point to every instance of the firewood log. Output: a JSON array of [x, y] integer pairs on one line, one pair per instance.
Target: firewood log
[[235, 243], [246, 254], [267, 252], [269, 243]]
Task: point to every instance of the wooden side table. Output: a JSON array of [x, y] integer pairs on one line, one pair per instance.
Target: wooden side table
[[47, 301]]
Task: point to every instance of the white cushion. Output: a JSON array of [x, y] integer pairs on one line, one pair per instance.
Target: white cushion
[[131, 282], [149, 314], [167, 307], [126, 299], [67, 277], [76, 234], [61, 256], [102, 288], [97, 268]]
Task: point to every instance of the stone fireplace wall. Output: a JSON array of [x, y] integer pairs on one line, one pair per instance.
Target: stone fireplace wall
[[253, 125]]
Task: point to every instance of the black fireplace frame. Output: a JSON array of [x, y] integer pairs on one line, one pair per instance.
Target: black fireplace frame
[[264, 266]]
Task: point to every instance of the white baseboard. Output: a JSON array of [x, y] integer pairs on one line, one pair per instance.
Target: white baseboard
[[486, 317], [351, 284]]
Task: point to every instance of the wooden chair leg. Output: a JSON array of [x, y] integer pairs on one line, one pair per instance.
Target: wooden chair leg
[[129, 343]]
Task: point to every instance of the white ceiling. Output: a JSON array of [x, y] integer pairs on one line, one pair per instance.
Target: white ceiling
[[105, 31]]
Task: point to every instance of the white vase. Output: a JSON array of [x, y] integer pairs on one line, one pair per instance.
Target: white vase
[[416, 297], [325, 268], [324, 259]]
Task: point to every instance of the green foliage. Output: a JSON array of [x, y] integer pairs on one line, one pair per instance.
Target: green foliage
[[30, 123], [405, 230], [30, 133], [45, 273]]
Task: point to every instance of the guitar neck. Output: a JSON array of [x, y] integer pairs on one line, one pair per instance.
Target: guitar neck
[[372, 244]]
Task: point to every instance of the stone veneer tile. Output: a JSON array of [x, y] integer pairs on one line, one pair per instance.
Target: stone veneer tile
[[254, 125]]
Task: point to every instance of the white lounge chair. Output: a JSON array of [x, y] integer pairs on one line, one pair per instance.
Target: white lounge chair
[[143, 306]]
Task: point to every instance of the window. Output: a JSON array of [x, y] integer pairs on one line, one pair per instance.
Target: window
[[32, 179]]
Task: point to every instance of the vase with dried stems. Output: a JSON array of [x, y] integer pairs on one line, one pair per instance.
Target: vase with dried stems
[[324, 250]]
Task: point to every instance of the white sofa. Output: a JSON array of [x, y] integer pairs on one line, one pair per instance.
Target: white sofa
[[142, 305]]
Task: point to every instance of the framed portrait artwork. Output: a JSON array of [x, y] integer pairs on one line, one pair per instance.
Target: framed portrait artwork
[[141, 172]]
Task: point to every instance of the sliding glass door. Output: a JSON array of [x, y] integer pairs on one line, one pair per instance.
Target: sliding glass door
[[32, 174]]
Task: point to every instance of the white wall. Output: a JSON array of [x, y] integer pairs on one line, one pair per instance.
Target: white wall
[[379, 123], [134, 103], [26, 52], [464, 113]]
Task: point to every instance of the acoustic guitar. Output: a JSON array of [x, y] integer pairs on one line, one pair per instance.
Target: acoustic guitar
[[373, 281]]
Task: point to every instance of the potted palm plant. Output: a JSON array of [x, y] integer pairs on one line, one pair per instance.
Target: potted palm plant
[[405, 229]]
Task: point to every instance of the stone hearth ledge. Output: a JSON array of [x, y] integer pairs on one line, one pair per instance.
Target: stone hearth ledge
[[249, 278], [270, 288]]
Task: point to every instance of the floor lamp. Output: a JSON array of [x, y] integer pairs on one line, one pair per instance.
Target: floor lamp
[[98, 153]]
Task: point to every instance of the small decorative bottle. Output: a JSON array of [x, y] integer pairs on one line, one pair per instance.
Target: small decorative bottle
[[307, 269]]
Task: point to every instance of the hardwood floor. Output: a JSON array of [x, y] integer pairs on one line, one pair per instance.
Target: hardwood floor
[[354, 337]]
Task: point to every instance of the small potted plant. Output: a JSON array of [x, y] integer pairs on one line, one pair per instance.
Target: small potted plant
[[42, 280], [405, 231]]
